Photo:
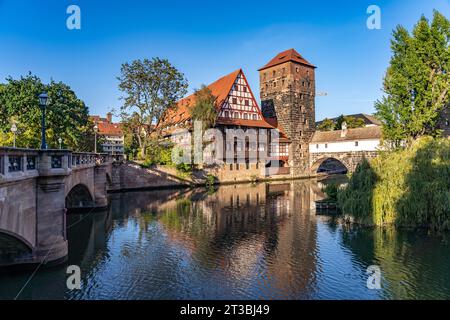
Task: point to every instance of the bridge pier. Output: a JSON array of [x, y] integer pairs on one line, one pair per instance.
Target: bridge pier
[[34, 188]]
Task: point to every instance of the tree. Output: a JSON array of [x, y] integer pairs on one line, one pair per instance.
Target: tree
[[352, 122], [204, 109], [326, 125], [67, 116], [417, 81], [149, 88]]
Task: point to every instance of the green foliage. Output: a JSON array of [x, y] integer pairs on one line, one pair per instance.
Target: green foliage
[[417, 81], [327, 125], [352, 122], [150, 88], [67, 116], [331, 190], [409, 187], [204, 108], [330, 125], [158, 154]]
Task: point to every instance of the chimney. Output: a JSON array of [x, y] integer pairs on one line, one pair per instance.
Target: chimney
[[109, 117], [344, 130]]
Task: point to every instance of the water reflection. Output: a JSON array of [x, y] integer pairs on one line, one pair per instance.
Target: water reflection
[[261, 241]]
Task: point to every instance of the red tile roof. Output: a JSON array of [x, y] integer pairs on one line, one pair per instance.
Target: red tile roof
[[286, 56], [106, 128], [220, 89]]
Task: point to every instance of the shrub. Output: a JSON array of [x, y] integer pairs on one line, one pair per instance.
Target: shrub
[[409, 187]]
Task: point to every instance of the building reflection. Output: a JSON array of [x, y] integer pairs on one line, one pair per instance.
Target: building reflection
[[242, 230]]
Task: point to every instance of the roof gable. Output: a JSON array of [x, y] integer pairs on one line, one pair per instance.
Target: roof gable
[[290, 55]]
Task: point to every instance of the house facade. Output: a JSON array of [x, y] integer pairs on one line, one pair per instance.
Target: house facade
[[112, 134], [285, 123]]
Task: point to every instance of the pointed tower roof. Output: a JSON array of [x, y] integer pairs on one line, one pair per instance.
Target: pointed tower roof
[[286, 56]]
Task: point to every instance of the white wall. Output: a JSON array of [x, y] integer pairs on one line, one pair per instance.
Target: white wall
[[345, 146]]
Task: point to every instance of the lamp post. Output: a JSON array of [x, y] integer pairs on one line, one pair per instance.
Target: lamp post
[[95, 137], [14, 131], [43, 100], [60, 143]]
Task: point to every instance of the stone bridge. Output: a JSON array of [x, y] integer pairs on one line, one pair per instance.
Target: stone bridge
[[349, 159], [37, 187]]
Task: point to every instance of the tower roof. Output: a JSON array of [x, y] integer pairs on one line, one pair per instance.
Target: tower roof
[[286, 56]]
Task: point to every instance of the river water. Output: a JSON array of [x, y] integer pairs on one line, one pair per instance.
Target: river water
[[262, 241]]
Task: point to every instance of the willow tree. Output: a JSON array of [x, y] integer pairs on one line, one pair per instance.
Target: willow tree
[[149, 88], [417, 82], [204, 109]]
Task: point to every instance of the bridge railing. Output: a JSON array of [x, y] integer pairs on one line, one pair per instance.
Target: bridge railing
[[18, 164]]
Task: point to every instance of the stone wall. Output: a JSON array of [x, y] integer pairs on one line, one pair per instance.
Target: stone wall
[[288, 92]]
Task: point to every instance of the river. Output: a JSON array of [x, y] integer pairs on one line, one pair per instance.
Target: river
[[261, 241]]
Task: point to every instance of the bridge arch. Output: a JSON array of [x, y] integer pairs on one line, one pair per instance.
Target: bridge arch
[[79, 197], [12, 244], [330, 164]]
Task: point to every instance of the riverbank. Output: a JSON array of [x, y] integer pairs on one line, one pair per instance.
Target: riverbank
[[406, 188], [132, 176]]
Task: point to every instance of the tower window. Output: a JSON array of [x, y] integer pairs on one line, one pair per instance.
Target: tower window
[[274, 73]]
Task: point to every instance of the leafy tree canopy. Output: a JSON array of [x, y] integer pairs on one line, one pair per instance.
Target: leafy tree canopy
[[417, 81], [149, 88], [67, 116], [204, 108]]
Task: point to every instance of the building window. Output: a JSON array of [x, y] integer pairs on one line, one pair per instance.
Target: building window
[[254, 117], [297, 69], [231, 167], [326, 145], [226, 114], [247, 165], [245, 116], [317, 146], [356, 143], [245, 89], [274, 73], [264, 76], [303, 83], [234, 100], [246, 102], [237, 168], [236, 115], [274, 84]]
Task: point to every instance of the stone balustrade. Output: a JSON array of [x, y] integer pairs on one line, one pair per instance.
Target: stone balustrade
[[17, 164]]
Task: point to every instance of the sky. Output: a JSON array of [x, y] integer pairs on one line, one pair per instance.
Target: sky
[[206, 40]]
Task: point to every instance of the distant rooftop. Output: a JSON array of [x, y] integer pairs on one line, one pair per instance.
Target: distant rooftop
[[367, 118]]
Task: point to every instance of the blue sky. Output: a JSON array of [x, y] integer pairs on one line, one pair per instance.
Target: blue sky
[[206, 40]]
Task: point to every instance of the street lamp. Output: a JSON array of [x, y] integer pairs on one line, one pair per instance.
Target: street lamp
[[43, 100], [95, 137], [60, 143], [14, 131]]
